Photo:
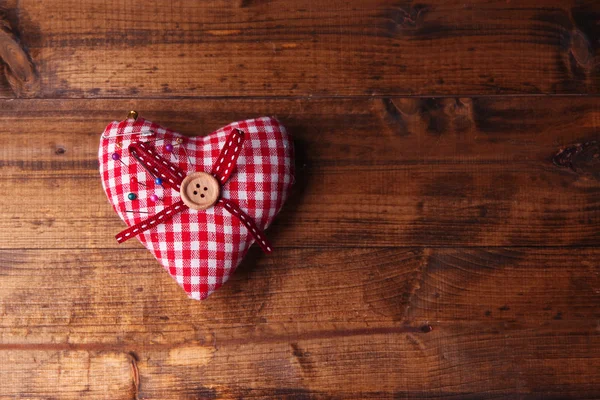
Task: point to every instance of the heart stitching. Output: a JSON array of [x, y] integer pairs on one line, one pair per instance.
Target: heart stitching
[[200, 249]]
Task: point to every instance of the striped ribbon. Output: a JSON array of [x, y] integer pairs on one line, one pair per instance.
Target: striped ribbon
[[172, 177]]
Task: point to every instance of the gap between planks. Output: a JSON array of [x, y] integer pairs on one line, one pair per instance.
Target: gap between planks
[[316, 97]]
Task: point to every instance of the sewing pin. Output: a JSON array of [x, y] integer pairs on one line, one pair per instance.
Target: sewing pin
[[154, 140], [178, 142], [134, 179], [188, 157], [142, 134], [117, 157]]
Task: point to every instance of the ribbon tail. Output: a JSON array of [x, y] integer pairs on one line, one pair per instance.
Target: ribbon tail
[[249, 223], [228, 156], [159, 218]]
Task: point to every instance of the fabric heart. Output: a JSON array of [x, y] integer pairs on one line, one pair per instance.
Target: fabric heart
[[199, 248]]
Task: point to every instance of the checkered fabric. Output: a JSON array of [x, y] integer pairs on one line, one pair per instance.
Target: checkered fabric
[[200, 249]]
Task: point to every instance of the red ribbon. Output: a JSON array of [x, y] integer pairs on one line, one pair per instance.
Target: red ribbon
[[172, 177], [146, 154]]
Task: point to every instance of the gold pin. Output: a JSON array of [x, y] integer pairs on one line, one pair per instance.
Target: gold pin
[[132, 115]]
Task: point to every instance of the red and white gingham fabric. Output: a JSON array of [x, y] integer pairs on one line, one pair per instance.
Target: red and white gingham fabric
[[200, 249]]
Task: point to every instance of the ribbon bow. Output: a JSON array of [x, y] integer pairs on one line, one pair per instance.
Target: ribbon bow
[[173, 178]]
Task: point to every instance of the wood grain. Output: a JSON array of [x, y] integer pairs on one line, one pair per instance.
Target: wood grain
[[391, 323], [64, 374], [395, 172], [327, 213], [115, 48], [441, 241], [18, 72], [97, 294]]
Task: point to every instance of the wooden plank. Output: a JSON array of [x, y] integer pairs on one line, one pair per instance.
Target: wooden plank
[[112, 48], [397, 172], [393, 323], [442, 206], [64, 135], [64, 374], [98, 293], [379, 366]]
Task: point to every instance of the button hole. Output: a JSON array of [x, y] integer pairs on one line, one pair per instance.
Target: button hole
[[202, 195], [195, 192]]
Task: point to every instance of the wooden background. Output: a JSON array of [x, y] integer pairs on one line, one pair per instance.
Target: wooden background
[[442, 240]]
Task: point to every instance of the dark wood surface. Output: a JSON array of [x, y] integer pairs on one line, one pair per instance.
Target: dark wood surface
[[436, 246], [232, 48]]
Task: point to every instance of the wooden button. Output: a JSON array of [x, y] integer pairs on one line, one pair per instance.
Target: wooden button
[[199, 190]]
